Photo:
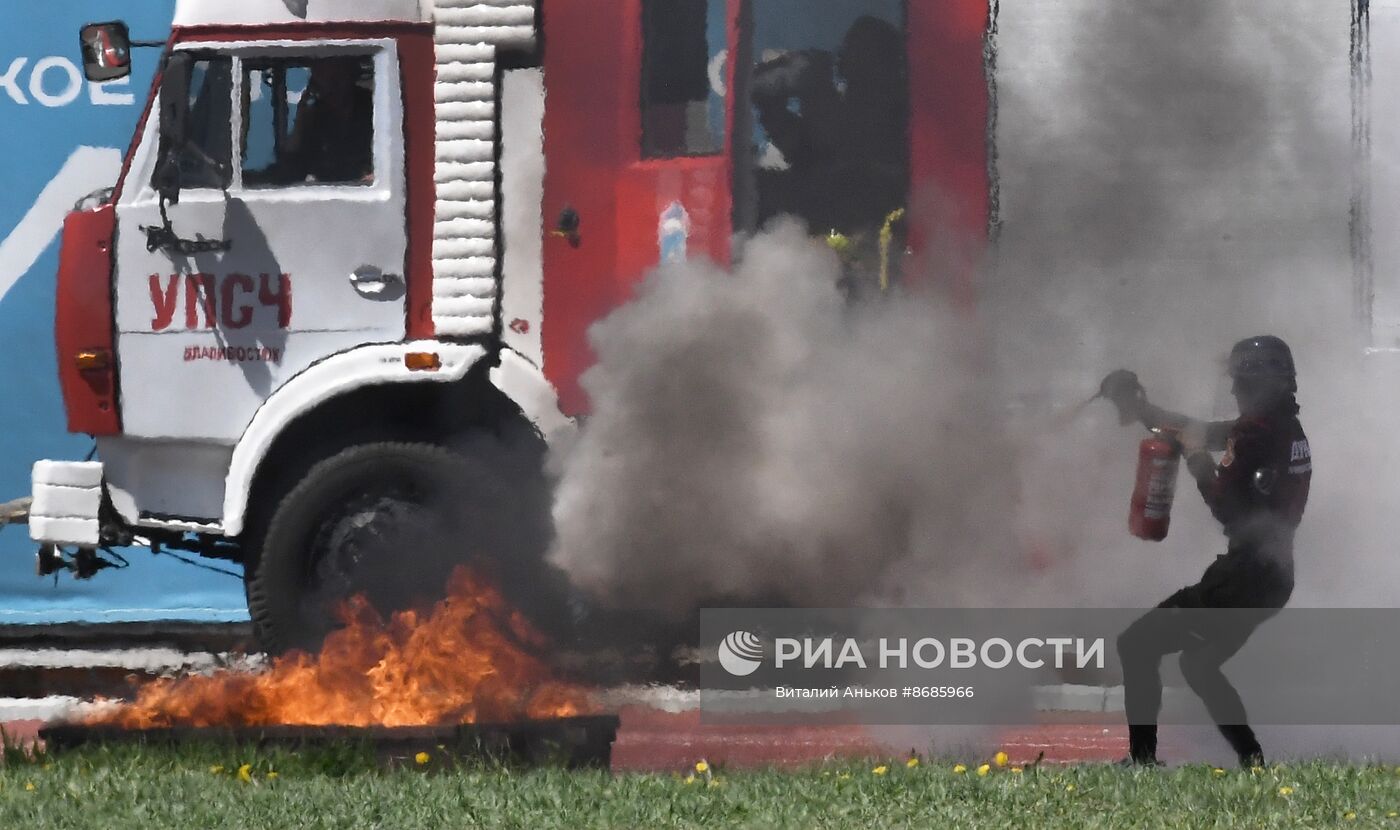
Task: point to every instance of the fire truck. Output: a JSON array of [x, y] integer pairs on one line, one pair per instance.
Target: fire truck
[[335, 309]]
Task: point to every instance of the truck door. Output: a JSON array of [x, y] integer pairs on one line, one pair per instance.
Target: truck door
[[639, 168], [291, 209]]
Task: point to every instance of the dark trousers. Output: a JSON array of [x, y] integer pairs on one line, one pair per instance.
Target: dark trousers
[[1206, 623]]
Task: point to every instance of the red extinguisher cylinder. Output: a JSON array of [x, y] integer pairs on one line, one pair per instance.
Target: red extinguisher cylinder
[[1150, 511]]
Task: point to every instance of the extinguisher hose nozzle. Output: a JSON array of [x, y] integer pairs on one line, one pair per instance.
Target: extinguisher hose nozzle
[[1064, 419]]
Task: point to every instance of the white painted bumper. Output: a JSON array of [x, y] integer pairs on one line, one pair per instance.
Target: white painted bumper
[[67, 497]]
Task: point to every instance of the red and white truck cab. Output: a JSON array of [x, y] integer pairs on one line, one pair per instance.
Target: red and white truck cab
[[356, 246]]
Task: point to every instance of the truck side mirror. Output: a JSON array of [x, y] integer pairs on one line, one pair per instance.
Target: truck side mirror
[[174, 116], [106, 50]]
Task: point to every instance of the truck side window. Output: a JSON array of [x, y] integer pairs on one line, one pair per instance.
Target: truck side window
[[205, 159], [308, 121], [682, 111]]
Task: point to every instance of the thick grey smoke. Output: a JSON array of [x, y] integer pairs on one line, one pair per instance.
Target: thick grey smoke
[[1177, 176], [1174, 177], [754, 436]]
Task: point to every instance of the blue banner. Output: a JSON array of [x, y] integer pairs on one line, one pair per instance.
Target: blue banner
[[64, 138]]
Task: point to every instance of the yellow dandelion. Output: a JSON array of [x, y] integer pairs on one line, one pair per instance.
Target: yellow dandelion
[[1285, 791], [959, 769], [1016, 770], [1349, 815], [911, 763], [272, 775], [1069, 788], [1392, 814], [689, 779], [245, 773], [1000, 759], [422, 758], [1218, 771], [984, 769], [701, 766], [217, 769], [29, 786], [881, 770]]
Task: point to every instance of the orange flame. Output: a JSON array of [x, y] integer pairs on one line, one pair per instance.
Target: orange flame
[[467, 661]]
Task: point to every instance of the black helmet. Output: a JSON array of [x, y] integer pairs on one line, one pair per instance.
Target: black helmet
[[1264, 356]]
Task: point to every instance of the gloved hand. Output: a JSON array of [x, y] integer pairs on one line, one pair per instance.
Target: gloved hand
[[1123, 390]]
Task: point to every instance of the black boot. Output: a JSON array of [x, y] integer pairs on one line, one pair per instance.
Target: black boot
[[1245, 744], [1142, 745]]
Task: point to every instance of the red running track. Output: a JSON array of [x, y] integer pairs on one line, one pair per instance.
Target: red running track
[[650, 740]]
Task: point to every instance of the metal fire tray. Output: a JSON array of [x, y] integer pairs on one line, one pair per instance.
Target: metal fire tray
[[576, 742]]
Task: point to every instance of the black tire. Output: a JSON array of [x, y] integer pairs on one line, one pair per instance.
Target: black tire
[[390, 521]]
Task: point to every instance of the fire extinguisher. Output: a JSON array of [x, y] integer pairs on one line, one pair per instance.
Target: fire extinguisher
[[1150, 511]]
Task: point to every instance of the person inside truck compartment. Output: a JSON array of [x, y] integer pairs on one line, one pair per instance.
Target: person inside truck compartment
[[333, 133], [846, 141]]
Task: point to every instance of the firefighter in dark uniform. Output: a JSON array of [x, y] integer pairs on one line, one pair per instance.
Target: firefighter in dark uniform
[[846, 145], [1257, 492]]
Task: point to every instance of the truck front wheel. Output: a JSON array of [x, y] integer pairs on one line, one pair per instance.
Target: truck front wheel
[[388, 521]]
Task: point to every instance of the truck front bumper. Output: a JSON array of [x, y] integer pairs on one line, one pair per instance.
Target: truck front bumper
[[67, 501]]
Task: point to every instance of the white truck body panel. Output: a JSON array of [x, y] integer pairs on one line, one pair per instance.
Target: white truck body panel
[[525, 384], [302, 239], [522, 207], [164, 478], [365, 366], [273, 12], [204, 487], [467, 35]]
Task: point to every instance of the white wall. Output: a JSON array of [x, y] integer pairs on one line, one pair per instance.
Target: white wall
[[1385, 167]]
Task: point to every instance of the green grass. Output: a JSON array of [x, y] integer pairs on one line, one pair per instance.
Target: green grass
[[200, 787]]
